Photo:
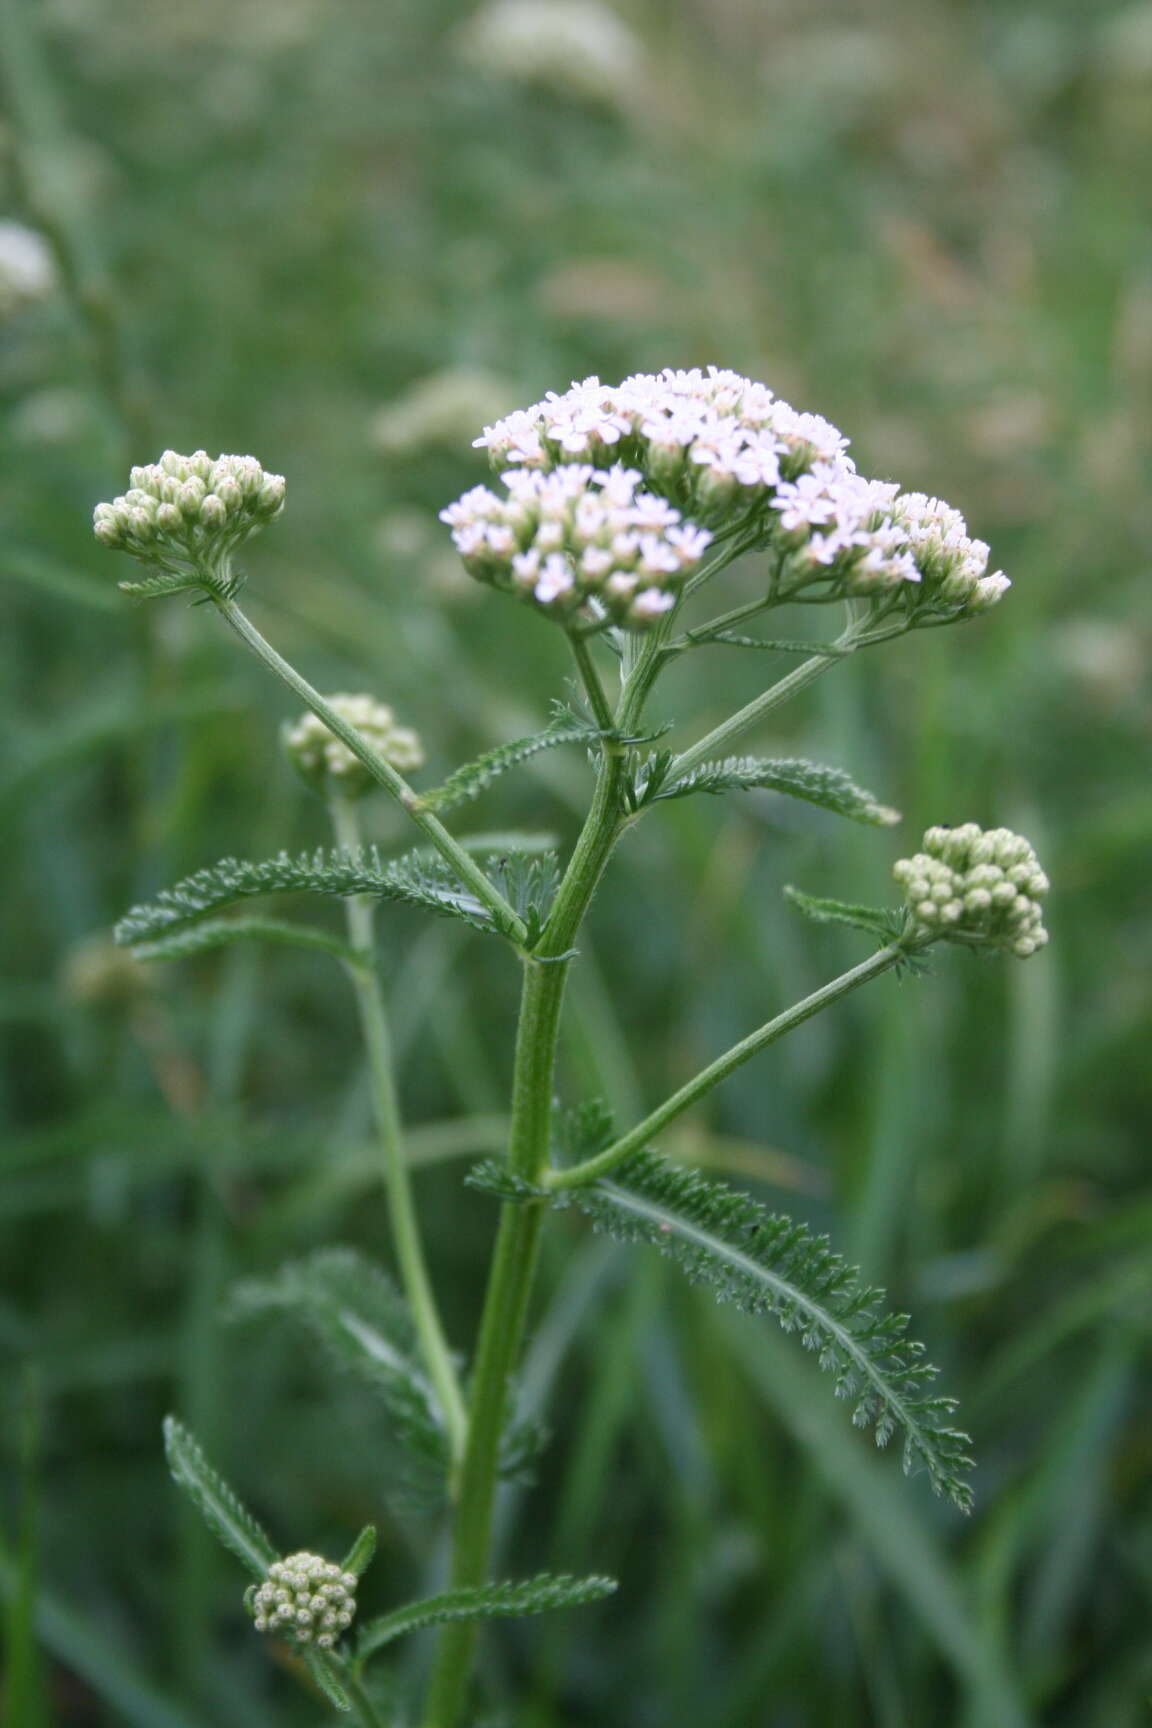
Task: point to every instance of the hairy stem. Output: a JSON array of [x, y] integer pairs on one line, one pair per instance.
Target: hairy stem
[[466, 868], [693, 1090], [359, 914], [514, 1259]]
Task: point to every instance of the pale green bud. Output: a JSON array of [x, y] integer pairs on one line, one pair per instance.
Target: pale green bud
[[294, 1600], [982, 888]]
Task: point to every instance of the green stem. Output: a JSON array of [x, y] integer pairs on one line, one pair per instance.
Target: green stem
[[514, 1259], [721, 736], [465, 867], [359, 912], [579, 1175], [590, 678]]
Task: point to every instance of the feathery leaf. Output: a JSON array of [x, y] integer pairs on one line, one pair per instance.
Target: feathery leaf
[[223, 932], [537, 1595], [359, 1556], [363, 1322], [830, 788], [765, 1263], [472, 779], [884, 924], [325, 1671], [418, 878], [219, 1507]]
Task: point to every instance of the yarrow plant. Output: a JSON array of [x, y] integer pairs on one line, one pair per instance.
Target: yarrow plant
[[620, 508]]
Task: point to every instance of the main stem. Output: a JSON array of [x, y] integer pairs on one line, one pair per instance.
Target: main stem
[[514, 1260], [359, 914]]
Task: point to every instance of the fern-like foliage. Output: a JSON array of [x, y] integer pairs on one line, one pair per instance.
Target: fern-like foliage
[[327, 1673], [540, 1595], [814, 782], [474, 777], [220, 1508], [417, 878], [528, 882], [355, 1311], [764, 1263], [883, 923], [214, 933]]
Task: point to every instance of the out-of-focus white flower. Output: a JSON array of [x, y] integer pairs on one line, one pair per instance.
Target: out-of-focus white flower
[[571, 45], [27, 272], [729, 454], [326, 762], [580, 541], [442, 411], [982, 887]]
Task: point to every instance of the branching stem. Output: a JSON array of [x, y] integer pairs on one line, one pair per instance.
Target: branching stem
[[579, 1175], [465, 867], [359, 914]]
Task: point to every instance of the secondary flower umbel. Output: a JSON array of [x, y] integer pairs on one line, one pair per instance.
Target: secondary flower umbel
[[185, 515], [328, 764], [982, 887]]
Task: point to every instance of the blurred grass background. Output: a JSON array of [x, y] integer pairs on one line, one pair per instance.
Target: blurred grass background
[[341, 236]]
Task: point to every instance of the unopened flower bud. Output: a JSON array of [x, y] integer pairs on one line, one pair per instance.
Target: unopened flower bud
[[295, 1596], [981, 887], [185, 515]]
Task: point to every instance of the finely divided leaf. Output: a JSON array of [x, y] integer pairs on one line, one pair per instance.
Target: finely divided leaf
[[886, 926], [484, 1602], [326, 1672], [764, 1263], [474, 777], [418, 878], [363, 1322], [219, 1507], [814, 782], [359, 1556], [224, 932]]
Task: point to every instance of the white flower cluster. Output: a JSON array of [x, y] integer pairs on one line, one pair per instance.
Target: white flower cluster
[[725, 450], [978, 886], [307, 1598], [580, 540], [184, 512], [322, 757]]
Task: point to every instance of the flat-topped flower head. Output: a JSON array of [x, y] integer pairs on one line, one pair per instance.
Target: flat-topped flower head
[[327, 764], [979, 886], [305, 1598], [580, 543], [732, 457], [185, 515]]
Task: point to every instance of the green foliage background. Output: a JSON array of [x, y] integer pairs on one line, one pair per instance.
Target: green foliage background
[[925, 219]]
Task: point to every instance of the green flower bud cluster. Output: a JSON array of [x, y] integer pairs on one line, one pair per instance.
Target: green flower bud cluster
[[983, 887], [186, 514], [328, 765], [305, 1597]]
